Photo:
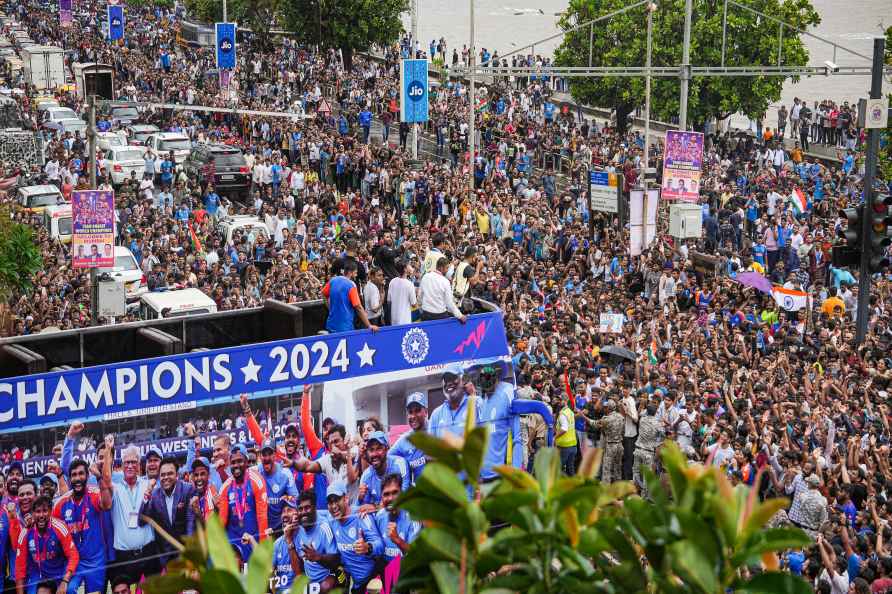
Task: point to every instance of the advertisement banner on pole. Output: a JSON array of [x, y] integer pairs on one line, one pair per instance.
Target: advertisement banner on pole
[[414, 94], [115, 22], [225, 45], [682, 165], [342, 363], [93, 229], [65, 12], [604, 188]]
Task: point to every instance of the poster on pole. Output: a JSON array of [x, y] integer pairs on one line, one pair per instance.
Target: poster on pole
[[682, 165], [115, 22], [604, 188], [414, 96], [225, 45], [65, 13], [93, 229]]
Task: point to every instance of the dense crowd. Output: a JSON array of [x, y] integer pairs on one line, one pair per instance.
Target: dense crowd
[[721, 368]]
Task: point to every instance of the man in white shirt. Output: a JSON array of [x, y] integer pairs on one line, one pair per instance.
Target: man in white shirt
[[630, 432], [371, 296], [401, 296], [436, 295]]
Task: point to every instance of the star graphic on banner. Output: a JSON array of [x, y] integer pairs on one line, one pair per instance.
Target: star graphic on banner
[[366, 355], [415, 345], [251, 371]]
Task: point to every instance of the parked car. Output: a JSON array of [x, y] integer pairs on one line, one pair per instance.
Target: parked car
[[138, 133], [107, 140], [54, 114], [163, 143], [37, 198], [231, 173], [122, 162], [68, 125], [123, 115]]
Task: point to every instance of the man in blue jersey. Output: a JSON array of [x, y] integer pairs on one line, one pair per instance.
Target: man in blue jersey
[[416, 415], [279, 484], [343, 301], [495, 411], [315, 544], [380, 465], [81, 509], [286, 561], [450, 416], [395, 526], [356, 537]]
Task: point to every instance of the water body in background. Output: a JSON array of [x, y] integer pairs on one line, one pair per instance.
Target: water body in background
[[505, 25]]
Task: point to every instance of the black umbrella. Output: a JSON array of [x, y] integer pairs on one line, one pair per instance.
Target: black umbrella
[[620, 352]]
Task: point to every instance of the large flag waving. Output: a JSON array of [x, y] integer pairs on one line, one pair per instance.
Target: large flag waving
[[790, 299], [798, 201]]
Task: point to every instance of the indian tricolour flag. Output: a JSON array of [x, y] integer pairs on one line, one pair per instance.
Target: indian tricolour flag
[[790, 299], [798, 200]]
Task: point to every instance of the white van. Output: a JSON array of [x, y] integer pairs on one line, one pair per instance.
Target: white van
[[57, 219], [127, 271], [171, 304]]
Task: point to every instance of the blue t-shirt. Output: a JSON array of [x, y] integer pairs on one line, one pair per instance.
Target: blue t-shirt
[[341, 313], [283, 573], [279, 483], [365, 118], [405, 527], [495, 411], [372, 481], [346, 533], [321, 538], [414, 457]]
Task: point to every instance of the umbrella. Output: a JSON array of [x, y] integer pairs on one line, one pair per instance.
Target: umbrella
[[754, 280], [618, 351]]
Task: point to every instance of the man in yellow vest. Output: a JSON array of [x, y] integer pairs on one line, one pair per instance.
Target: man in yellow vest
[[565, 433]]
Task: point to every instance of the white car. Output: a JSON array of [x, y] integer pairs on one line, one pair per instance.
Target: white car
[[139, 132], [246, 224], [127, 270], [107, 140], [68, 125], [163, 143], [54, 114], [122, 162]]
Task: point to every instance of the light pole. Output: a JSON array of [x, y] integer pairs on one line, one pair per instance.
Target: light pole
[[685, 68], [225, 12], [471, 85], [414, 136], [650, 28]]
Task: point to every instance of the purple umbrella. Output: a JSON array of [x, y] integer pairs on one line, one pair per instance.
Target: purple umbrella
[[754, 280]]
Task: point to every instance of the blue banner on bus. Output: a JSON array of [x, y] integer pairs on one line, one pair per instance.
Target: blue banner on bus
[[115, 22], [413, 82], [179, 382], [225, 45]]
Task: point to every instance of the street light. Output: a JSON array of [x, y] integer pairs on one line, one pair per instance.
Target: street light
[[651, 8]]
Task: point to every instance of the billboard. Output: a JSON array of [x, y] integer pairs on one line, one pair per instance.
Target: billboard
[[225, 45], [115, 22], [414, 94], [182, 382], [65, 12], [682, 165], [93, 229], [604, 188]]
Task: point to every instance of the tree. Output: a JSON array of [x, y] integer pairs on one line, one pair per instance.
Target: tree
[[208, 565], [20, 256], [621, 41], [348, 25], [258, 15], [885, 160], [574, 534]]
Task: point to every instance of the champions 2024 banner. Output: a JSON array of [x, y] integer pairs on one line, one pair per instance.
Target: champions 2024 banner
[[152, 386], [93, 228], [682, 165]]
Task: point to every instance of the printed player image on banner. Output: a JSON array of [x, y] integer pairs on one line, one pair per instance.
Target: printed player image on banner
[[93, 229], [682, 165]]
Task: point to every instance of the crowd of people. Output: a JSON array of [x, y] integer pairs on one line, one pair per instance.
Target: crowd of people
[[720, 368]]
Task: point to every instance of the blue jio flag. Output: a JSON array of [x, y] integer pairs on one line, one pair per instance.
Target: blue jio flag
[[413, 82], [225, 45], [115, 22]]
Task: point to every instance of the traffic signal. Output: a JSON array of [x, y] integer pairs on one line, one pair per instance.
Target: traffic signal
[[848, 255], [881, 234]]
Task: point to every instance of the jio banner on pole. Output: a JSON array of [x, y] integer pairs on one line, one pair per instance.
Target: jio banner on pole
[[682, 165], [115, 22], [65, 12], [414, 100], [225, 45], [93, 229], [353, 367]]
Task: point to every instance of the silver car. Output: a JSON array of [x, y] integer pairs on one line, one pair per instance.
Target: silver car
[[122, 162]]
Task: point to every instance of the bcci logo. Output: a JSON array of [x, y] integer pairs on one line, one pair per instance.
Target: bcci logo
[[226, 45], [415, 346], [416, 90]]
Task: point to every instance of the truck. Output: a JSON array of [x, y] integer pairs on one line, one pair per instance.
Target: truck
[[43, 66], [91, 78]]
